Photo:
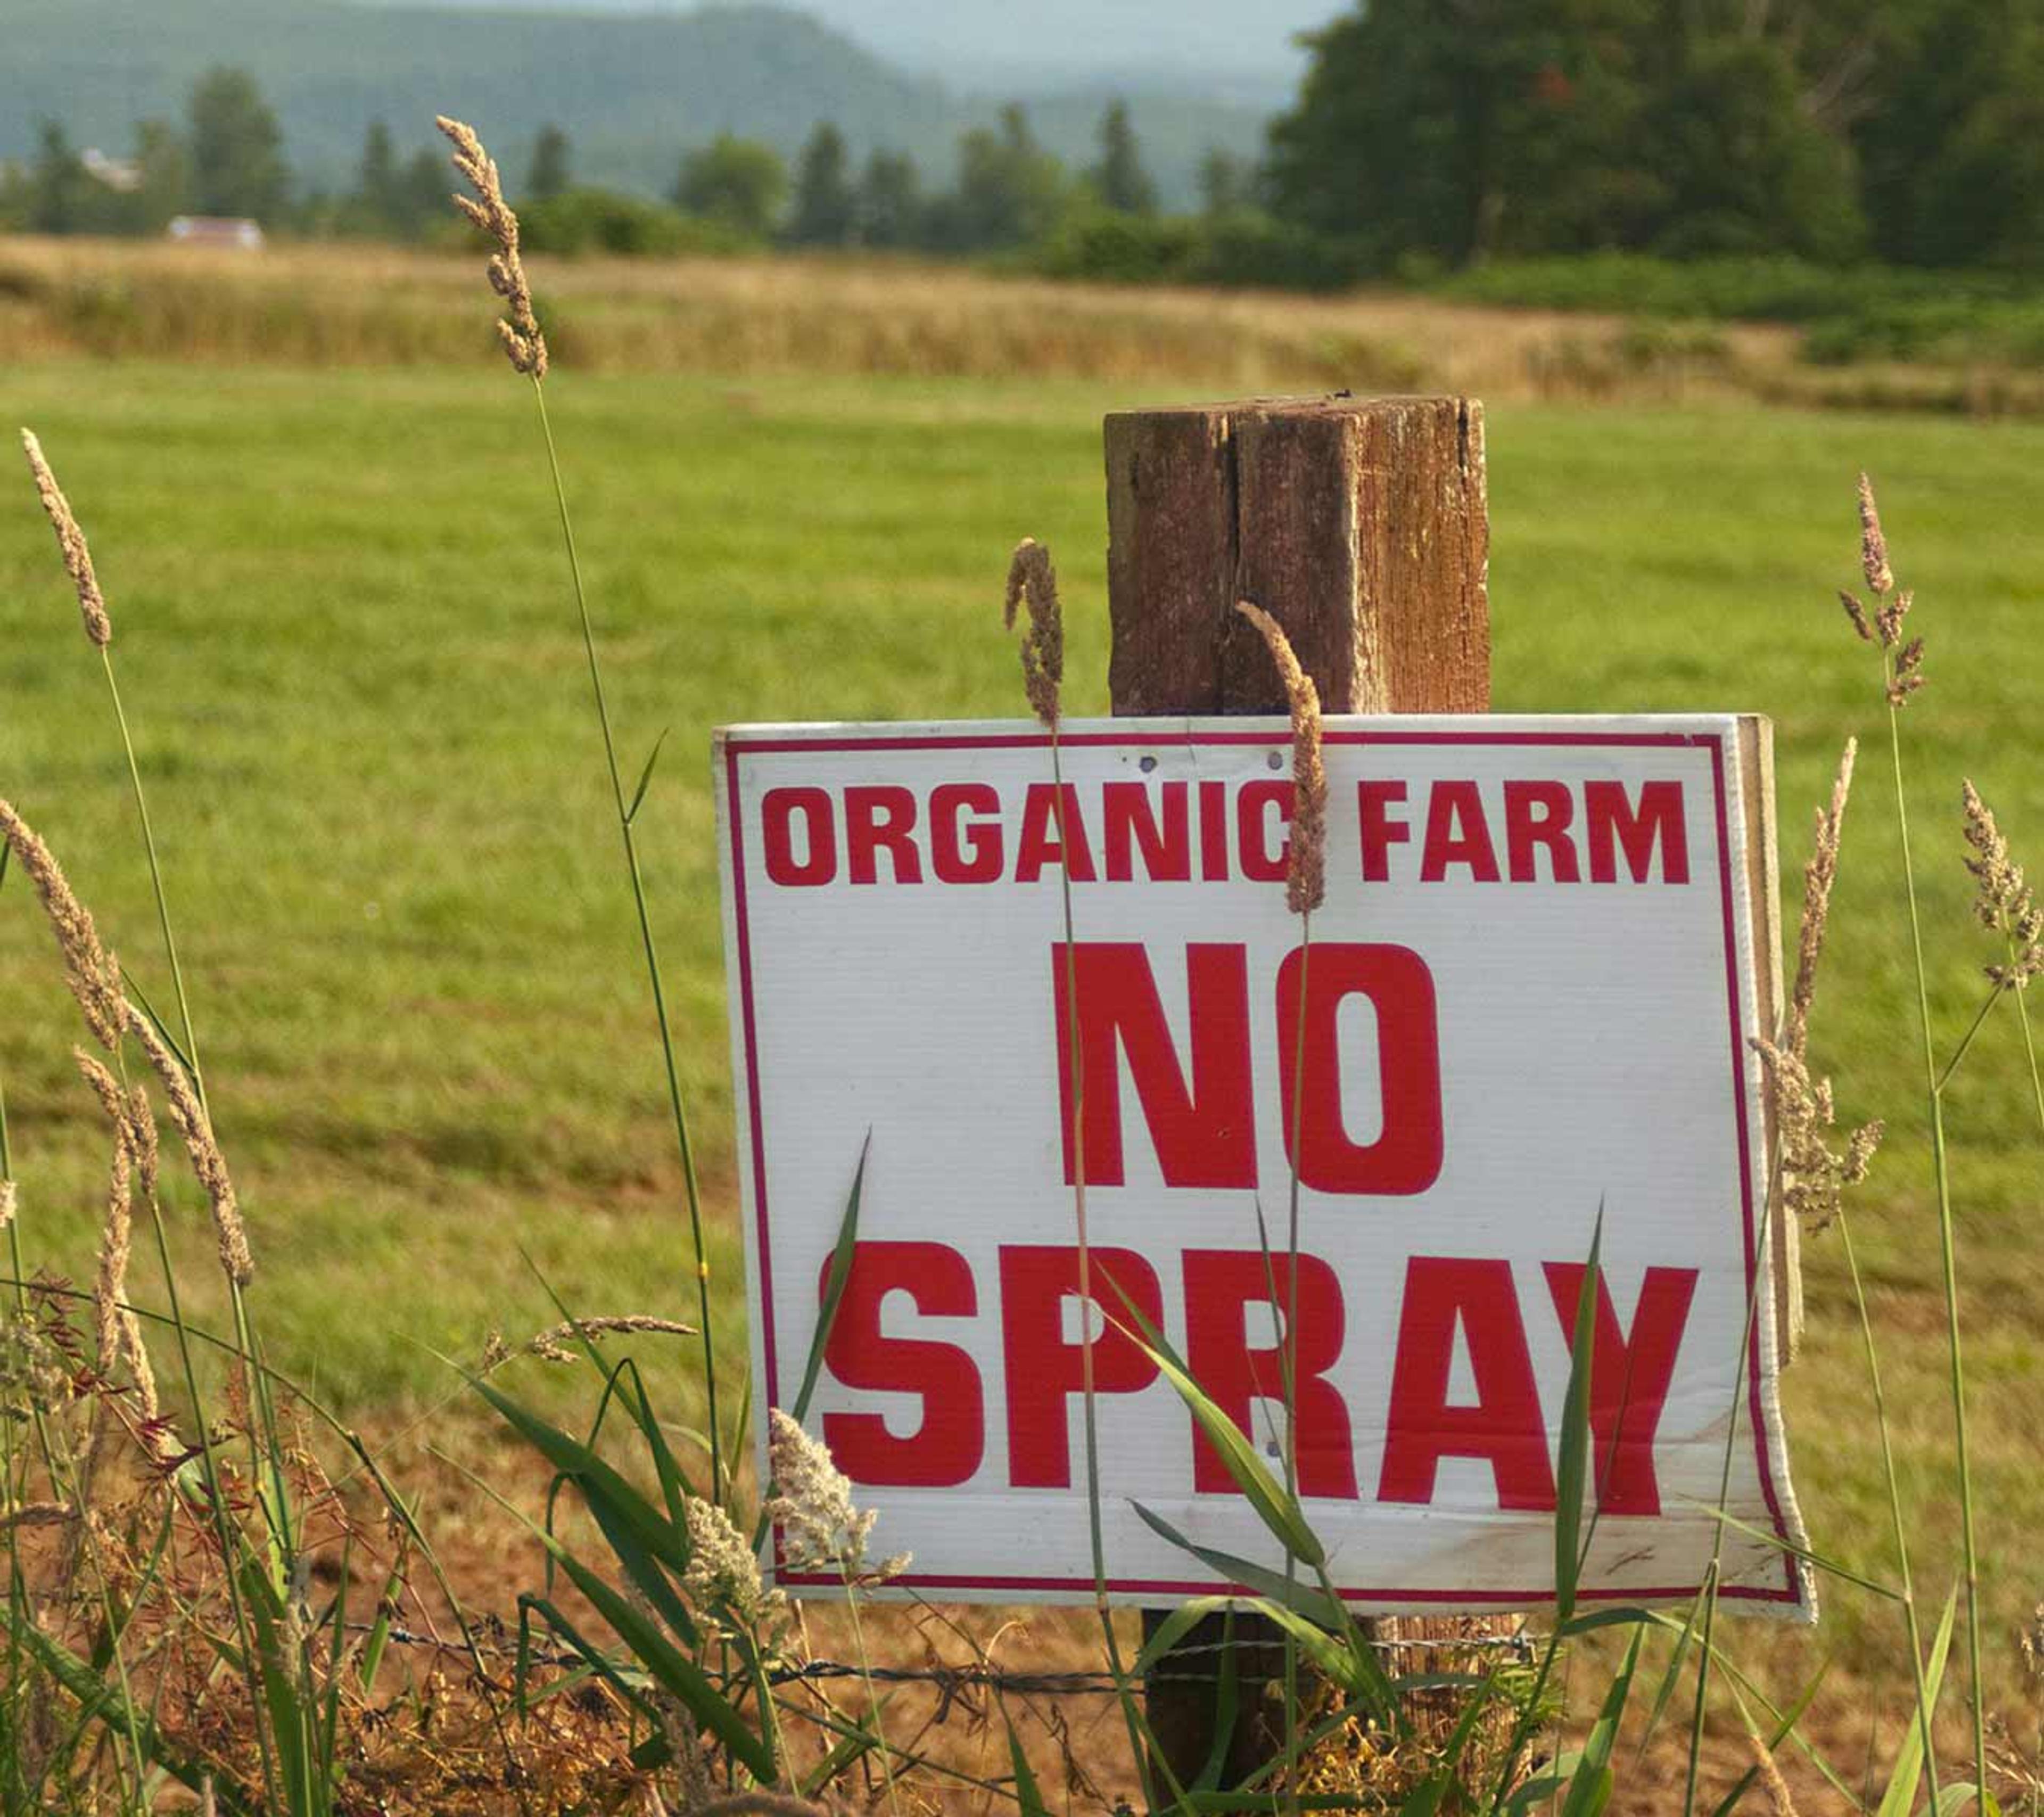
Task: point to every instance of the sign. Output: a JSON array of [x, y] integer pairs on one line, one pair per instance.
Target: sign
[[1528, 995]]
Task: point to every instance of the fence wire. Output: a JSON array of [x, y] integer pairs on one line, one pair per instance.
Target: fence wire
[[950, 1680]]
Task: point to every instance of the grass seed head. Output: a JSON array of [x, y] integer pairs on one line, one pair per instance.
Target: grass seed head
[[550, 1345], [1815, 1175], [110, 1283], [188, 1117], [90, 969], [524, 345], [142, 1140], [1873, 544], [1818, 875], [821, 1527], [1306, 870], [111, 1280], [723, 1573], [9, 1200], [118, 1330], [1778, 1800], [1856, 612], [2001, 899], [1032, 584], [70, 543]]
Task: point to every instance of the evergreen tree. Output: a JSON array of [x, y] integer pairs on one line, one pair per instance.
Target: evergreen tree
[[736, 182], [375, 200], [420, 202], [826, 207], [1118, 179], [60, 192], [549, 175], [1227, 184], [1010, 189], [890, 200], [165, 174], [237, 158]]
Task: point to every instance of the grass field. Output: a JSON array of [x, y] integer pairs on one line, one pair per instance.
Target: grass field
[[348, 654]]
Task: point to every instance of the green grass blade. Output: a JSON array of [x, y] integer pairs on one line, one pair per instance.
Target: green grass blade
[[1174, 1627], [638, 1565], [1677, 1657], [646, 775], [1572, 1474], [1591, 1787], [1817, 1559], [1900, 1797], [850, 1750], [666, 1663], [1028, 1794], [591, 1474], [1331, 1658], [1314, 1604], [1275, 1505], [1425, 1799], [840, 1271], [598, 1661]]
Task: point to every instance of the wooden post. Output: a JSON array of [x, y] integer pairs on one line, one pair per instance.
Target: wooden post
[[1360, 524]]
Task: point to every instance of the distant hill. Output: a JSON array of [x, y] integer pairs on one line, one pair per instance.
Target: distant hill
[[1201, 47], [633, 91]]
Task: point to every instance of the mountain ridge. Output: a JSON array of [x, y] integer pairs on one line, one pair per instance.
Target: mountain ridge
[[633, 91]]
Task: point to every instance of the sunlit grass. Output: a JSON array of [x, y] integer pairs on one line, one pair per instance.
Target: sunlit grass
[[384, 821]]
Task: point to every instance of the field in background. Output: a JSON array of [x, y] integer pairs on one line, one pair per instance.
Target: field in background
[[345, 303], [1625, 338], [354, 680]]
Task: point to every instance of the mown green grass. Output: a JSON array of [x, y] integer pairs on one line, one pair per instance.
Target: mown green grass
[[354, 673]]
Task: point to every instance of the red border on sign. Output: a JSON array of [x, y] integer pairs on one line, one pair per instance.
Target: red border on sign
[[737, 745]]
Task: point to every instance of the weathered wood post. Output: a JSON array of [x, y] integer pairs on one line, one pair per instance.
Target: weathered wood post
[[1361, 525]]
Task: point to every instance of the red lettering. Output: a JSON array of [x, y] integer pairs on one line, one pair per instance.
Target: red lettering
[[1052, 833], [1456, 833], [877, 819], [777, 811], [1045, 1369], [1503, 1427], [946, 1447], [1538, 814], [1380, 832], [1657, 821], [962, 851], [1213, 833], [1203, 1136], [1128, 813], [1221, 1285], [1252, 826], [1629, 1377], [1406, 1156]]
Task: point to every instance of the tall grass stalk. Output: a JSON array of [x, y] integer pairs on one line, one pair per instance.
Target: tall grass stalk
[[1139, 1739], [1033, 589], [266, 1473], [525, 346], [1947, 1247], [1910, 1614], [627, 815], [2029, 1042], [1289, 1353]]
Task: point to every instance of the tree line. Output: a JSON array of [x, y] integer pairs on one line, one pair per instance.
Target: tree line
[[1459, 130], [1426, 135], [226, 157]]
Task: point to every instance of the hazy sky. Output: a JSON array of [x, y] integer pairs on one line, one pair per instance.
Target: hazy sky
[[1251, 39]]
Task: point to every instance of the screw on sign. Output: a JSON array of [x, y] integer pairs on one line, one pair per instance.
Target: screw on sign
[[1528, 990]]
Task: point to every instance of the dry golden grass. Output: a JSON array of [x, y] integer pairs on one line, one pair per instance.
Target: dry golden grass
[[350, 305]]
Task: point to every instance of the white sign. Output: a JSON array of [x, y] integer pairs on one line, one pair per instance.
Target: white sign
[[1528, 996]]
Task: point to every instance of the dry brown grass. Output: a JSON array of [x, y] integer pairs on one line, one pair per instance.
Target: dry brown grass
[[353, 304]]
